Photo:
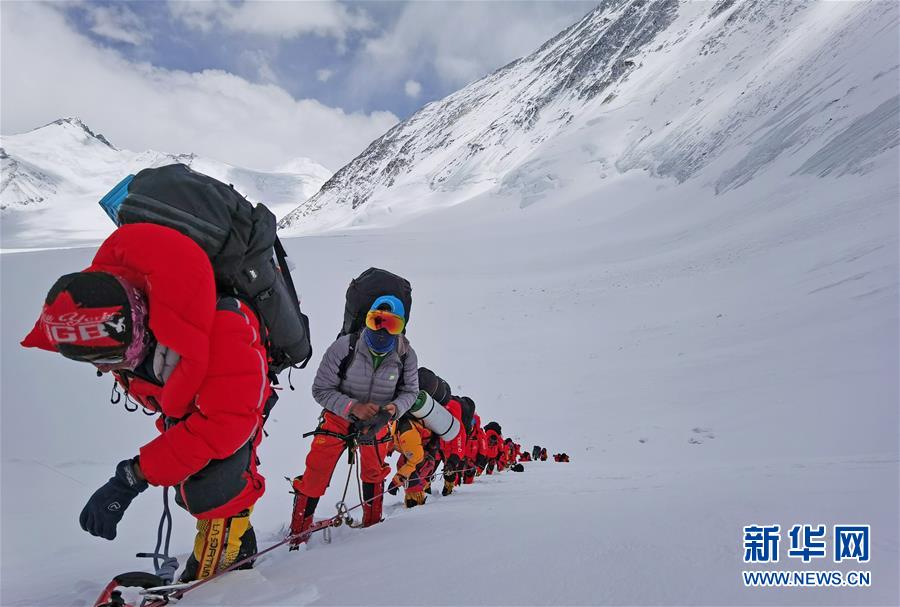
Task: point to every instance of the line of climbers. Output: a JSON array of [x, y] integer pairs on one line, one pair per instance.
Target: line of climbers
[[373, 396], [191, 307]]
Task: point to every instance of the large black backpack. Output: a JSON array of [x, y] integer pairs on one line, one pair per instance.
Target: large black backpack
[[365, 289], [241, 242], [361, 294], [494, 426], [435, 386]]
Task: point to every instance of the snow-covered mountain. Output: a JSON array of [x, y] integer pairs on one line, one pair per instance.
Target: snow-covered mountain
[[53, 176], [684, 90]]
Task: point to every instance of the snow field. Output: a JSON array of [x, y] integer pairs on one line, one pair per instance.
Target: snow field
[[707, 364]]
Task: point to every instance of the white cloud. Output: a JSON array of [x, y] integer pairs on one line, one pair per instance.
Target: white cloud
[[116, 22], [413, 88], [324, 75], [48, 71], [459, 42], [281, 19], [257, 61]]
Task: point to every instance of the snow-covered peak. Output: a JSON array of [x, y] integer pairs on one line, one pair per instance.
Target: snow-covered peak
[[63, 130], [53, 176]]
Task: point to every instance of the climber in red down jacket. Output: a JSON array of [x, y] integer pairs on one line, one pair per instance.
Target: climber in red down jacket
[[515, 452], [506, 456], [147, 311], [473, 447], [453, 452], [503, 455], [491, 445]]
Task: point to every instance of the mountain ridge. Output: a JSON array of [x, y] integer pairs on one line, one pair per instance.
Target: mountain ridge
[[567, 64], [78, 122], [675, 89]]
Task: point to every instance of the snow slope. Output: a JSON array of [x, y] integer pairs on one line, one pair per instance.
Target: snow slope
[[53, 177], [708, 363], [712, 92]]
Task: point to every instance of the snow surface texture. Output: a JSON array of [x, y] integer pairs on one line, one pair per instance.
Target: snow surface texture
[[707, 363], [713, 92], [54, 175], [713, 339]]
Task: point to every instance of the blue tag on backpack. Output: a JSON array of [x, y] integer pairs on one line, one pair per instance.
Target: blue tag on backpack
[[113, 200]]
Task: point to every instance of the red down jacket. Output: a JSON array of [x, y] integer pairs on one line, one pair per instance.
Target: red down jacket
[[219, 386], [473, 444], [457, 445], [491, 443]]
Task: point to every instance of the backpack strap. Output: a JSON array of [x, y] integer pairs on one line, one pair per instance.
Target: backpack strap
[[230, 303], [401, 380], [345, 362], [281, 256]]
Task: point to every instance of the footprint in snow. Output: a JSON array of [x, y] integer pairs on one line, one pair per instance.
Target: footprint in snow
[[700, 432]]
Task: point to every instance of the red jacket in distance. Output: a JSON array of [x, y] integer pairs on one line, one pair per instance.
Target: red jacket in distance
[[508, 454], [492, 443], [473, 442], [456, 446], [501, 458]]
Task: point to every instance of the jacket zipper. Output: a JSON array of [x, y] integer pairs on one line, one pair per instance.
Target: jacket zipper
[[369, 362], [372, 377]]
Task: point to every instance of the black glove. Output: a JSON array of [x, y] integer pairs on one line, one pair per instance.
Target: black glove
[[104, 510], [450, 467], [396, 484]]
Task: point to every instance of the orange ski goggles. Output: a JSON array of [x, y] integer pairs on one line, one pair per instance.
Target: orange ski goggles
[[382, 319]]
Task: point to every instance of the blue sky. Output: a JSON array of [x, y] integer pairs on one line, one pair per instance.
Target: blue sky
[[308, 64], [274, 79]]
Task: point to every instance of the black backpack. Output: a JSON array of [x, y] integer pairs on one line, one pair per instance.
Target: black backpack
[[240, 240], [361, 294], [468, 411], [434, 385], [365, 289]]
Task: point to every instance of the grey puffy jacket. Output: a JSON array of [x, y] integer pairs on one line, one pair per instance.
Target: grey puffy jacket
[[362, 382]]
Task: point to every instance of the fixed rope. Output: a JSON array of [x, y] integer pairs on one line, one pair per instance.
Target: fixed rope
[[343, 515]]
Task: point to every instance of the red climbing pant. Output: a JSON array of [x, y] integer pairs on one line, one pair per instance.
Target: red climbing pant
[[326, 450]]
